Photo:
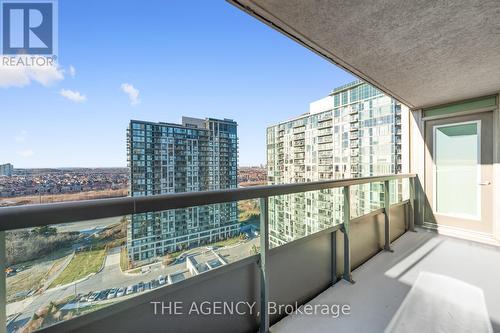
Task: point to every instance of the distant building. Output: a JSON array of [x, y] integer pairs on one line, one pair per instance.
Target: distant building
[[356, 131], [197, 155], [6, 169]]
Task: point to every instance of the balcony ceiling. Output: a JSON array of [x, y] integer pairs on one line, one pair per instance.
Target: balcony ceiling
[[423, 53]]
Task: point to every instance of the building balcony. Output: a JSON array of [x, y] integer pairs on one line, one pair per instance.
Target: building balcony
[[298, 136], [299, 143], [325, 147], [417, 274], [408, 276], [325, 124], [299, 129], [299, 155], [325, 139], [325, 154], [430, 282], [203, 281]]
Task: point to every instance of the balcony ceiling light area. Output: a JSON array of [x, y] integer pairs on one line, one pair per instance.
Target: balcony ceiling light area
[[423, 53]]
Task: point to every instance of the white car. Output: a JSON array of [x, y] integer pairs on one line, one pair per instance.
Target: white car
[[93, 297], [130, 290], [161, 280], [120, 292], [112, 293]]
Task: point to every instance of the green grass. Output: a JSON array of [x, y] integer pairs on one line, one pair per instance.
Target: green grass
[[82, 264], [174, 255], [248, 210], [124, 259]]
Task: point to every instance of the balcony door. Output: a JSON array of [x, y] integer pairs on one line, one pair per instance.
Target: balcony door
[[458, 172]]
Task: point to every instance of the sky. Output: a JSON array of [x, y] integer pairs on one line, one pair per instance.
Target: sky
[[154, 60]]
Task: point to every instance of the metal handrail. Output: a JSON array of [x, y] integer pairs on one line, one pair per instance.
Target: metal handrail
[[30, 216], [72, 212]]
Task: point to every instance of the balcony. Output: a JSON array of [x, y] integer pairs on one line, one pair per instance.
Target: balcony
[[325, 139], [235, 281], [325, 131], [417, 275], [299, 129], [405, 281], [430, 282], [299, 143], [298, 136], [325, 124]]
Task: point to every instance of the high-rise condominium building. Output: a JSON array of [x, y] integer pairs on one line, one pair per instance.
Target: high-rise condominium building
[[198, 155], [354, 132], [6, 169]]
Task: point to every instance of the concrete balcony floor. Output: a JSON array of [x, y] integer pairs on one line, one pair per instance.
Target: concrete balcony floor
[[430, 283]]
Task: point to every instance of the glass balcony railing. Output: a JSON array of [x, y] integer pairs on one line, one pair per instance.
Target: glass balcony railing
[[69, 259]]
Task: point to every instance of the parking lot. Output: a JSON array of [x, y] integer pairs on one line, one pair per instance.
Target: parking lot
[[112, 285]]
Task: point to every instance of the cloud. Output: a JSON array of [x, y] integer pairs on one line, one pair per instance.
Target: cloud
[[72, 71], [74, 96], [21, 76], [21, 137], [133, 93], [26, 153]]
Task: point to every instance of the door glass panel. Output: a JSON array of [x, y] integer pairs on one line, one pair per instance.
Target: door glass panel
[[456, 172]]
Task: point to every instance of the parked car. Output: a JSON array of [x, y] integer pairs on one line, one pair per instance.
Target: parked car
[[93, 297], [140, 287], [147, 286], [112, 293], [85, 297], [103, 295], [130, 290], [161, 280], [10, 271], [120, 292]]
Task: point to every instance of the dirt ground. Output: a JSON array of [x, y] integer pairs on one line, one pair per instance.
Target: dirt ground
[[38, 199]]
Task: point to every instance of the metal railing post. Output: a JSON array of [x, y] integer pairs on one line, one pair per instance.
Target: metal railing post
[[411, 227], [264, 252], [387, 223], [3, 285], [333, 236], [347, 247]]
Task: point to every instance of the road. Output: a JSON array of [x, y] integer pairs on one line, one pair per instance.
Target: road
[[111, 276], [89, 225]]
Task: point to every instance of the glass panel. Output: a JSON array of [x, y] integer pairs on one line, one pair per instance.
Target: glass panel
[[399, 190], [58, 272], [366, 198], [456, 158], [294, 216]]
